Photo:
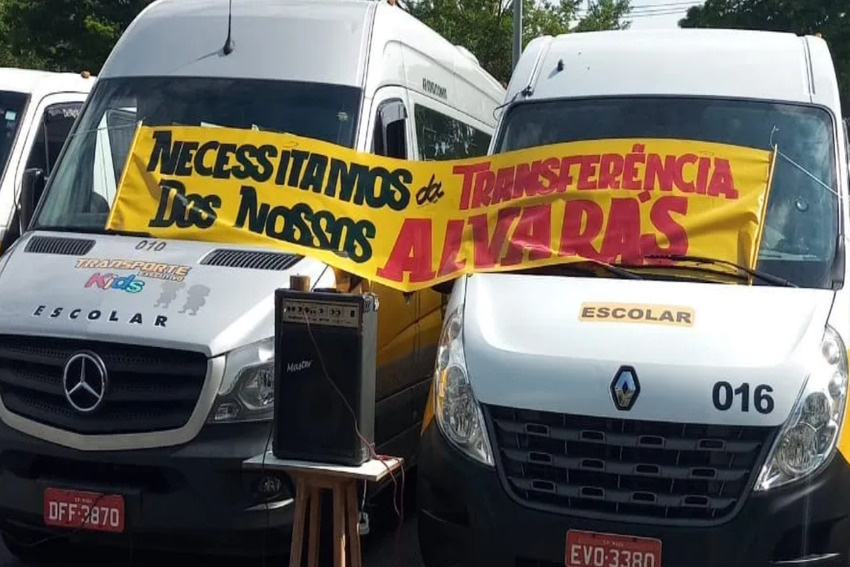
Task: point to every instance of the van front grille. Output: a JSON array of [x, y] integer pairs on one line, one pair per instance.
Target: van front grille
[[626, 469], [149, 389]]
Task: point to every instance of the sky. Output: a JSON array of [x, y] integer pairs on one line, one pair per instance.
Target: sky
[[659, 14]]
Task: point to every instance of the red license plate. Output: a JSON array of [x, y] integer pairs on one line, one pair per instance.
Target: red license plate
[[84, 510], [590, 549]]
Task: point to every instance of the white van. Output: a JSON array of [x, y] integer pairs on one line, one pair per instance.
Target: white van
[[621, 444], [37, 110], [179, 407]]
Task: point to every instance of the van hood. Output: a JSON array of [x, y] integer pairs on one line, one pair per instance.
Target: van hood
[[142, 291], [556, 344]]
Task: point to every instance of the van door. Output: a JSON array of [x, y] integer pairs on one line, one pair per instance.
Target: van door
[[51, 124], [398, 330]]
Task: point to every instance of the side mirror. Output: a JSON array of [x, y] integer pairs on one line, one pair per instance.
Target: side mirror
[[32, 187], [444, 288], [393, 111], [391, 121]]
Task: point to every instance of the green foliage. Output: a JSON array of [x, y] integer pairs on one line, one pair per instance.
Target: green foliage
[[77, 35], [63, 35], [830, 18], [485, 27]]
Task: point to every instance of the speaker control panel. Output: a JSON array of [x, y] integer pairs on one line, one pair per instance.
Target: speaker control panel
[[325, 313]]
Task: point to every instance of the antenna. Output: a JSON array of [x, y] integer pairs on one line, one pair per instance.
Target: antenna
[[228, 43]]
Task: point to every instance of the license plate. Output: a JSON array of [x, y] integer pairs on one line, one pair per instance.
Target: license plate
[[84, 510], [590, 549]]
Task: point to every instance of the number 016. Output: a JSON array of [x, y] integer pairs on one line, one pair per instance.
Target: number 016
[[723, 396]]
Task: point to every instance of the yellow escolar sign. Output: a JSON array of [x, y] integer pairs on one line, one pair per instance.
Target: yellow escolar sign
[[410, 225]]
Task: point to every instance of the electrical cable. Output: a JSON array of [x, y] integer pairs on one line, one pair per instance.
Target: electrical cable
[[383, 459], [268, 508], [263, 464]]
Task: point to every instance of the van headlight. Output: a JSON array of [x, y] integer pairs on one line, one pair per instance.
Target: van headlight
[[808, 439], [247, 388], [457, 413]]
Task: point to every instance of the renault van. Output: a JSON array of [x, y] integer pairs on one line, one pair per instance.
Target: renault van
[[179, 406], [561, 434], [37, 109]]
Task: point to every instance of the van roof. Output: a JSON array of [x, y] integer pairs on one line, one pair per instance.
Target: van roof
[[689, 62], [32, 81], [305, 40]]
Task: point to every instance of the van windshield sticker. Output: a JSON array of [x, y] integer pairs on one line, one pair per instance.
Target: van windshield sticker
[[637, 313], [66, 110]]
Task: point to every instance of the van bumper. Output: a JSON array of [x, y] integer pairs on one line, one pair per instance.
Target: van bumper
[[466, 518], [193, 497]]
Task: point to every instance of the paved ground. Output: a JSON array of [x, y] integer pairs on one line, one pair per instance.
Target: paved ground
[[388, 545]]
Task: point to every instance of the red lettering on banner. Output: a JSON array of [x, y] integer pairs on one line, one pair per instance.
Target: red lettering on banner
[[583, 221], [660, 216], [622, 232], [450, 262], [488, 251], [411, 253], [637, 170], [548, 170], [526, 180], [504, 185], [659, 174], [588, 173], [468, 172], [679, 173], [533, 233], [722, 182], [610, 171]]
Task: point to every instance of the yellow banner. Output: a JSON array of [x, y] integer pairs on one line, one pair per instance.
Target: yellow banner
[[410, 225]]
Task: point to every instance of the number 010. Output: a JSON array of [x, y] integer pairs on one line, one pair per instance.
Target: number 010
[[723, 396]]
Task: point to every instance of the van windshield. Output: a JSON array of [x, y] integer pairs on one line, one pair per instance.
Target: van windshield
[[801, 227], [85, 181], [12, 106]]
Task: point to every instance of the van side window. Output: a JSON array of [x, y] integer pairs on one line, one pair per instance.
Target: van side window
[[390, 136], [441, 137], [53, 130]]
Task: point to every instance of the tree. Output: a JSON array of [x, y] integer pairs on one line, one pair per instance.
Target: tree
[[485, 27], [63, 35], [76, 35], [831, 18]]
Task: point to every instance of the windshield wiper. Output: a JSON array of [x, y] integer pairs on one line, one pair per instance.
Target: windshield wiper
[[581, 266], [93, 230], [775, 280]]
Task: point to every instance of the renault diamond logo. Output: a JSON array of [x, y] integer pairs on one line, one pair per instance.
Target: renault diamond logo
[[84, 381], [625, 388]]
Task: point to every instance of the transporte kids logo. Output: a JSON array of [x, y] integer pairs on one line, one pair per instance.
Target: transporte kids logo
[[130, 283]]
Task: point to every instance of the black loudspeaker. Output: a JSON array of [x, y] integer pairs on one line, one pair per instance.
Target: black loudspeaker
[[324, 388]]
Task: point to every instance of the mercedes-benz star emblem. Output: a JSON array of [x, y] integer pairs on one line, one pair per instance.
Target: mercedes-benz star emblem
[[625, 388], [85, 380]]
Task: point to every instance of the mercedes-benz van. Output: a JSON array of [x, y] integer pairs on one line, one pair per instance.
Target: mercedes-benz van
[[37, 110], [566, 427], [176, 335]]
